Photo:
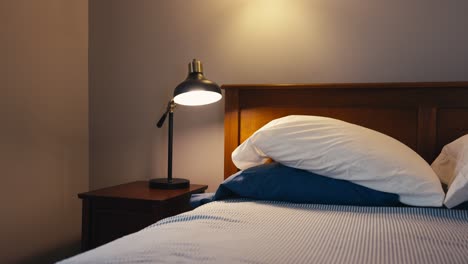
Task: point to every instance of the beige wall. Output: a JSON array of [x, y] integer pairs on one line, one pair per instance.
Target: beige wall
[[139, 51], [44, 128]]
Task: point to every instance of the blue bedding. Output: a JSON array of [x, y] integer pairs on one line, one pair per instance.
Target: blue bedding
[[276, 182]]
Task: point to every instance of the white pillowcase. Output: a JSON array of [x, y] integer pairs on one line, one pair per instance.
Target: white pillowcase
[[342, 150], [452, 168]]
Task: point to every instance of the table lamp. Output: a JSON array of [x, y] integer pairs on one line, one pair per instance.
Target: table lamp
[[194, 90]]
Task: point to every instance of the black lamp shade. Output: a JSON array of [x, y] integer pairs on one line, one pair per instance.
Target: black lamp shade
[[196, 89]]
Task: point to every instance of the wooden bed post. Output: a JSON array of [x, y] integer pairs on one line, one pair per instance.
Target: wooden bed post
[[231, 128]]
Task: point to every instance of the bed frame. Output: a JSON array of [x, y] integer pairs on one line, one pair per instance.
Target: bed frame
[[424, 116]]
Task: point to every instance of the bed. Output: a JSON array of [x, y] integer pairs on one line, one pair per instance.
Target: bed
[[424, 116]]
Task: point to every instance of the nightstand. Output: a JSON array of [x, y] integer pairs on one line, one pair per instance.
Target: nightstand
[[116, 211]]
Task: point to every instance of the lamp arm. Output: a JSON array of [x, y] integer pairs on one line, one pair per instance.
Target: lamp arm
[[161, 120], [170, 108]]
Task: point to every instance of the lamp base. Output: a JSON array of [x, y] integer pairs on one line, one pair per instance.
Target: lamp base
[[164, 183]]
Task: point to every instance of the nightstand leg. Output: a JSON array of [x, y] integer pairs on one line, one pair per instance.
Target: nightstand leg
[[85, 225]]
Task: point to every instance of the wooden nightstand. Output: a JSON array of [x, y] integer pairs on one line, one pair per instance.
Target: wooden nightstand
[[116, 211]]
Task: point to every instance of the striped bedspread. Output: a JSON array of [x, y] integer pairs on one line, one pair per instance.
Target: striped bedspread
[[244, 231]]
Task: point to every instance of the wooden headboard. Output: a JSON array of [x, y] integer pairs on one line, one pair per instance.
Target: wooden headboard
[[424, 116]]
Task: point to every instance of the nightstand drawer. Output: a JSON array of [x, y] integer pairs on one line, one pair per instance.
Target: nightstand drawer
[[110, 219], [121, 204]]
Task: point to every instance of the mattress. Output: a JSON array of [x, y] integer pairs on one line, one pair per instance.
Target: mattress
[[246, 231]]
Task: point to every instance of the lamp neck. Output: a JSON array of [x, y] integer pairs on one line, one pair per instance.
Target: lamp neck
[[171, 106], [195, 66]]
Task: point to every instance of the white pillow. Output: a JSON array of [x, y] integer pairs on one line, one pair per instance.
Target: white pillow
[[341, 150], [452, 168]]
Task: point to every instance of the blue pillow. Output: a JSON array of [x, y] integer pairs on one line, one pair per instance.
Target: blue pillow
[[462, 206], [277, 182], [198, 199]]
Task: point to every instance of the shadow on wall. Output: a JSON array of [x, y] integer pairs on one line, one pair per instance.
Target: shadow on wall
[[54, 255]]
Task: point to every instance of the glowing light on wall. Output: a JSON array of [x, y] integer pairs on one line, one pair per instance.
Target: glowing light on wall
[[270, 32], [269, 18]]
